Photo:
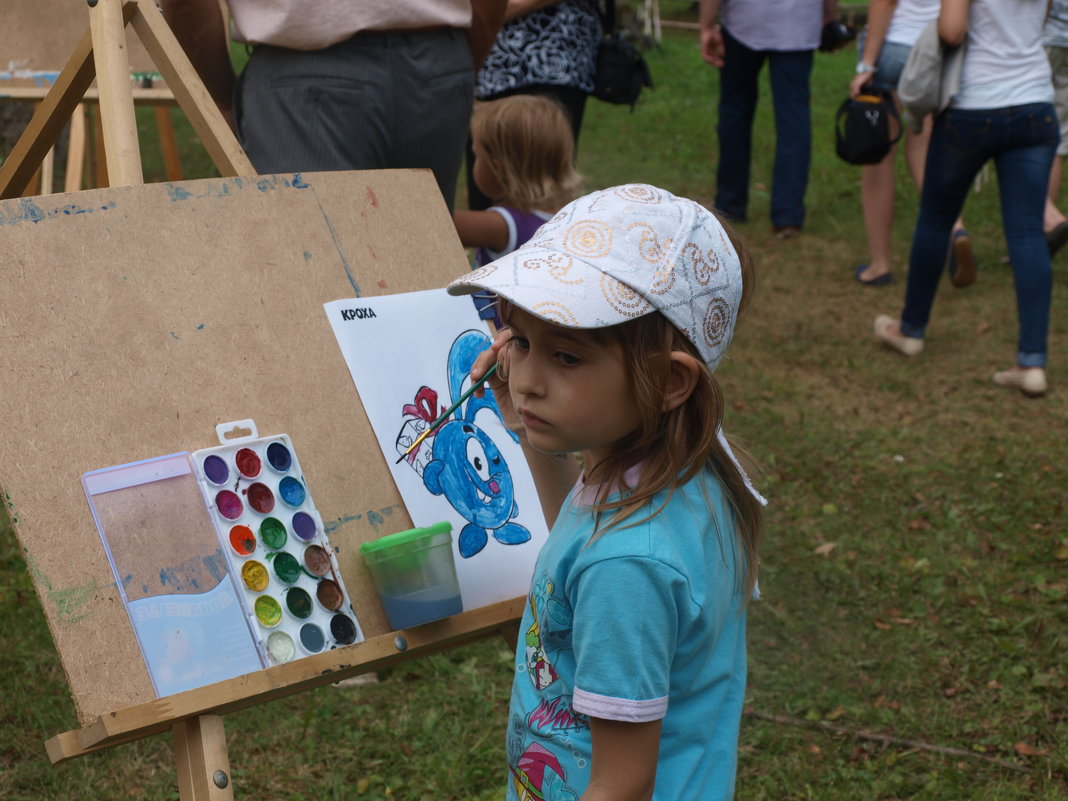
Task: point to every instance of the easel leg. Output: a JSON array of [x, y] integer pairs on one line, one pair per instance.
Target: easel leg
[[511, 634], [100, 157], [72, 182], [201, 759], [107, 26], [168, 144]]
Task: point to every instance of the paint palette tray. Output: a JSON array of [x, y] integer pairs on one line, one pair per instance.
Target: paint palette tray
[[273, 538]]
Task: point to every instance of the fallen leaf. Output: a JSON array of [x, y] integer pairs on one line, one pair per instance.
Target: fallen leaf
[[836, 713], [825, 549], [1026, 749], [949, 692], [982, 328], [815, 750], [993, 684], [882, 626], [917, 524]]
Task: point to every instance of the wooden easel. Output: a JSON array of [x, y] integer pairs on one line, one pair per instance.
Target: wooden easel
[[102, 54], [194, 717]]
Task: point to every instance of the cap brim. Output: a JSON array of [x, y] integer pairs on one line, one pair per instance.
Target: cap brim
[[560, 289]]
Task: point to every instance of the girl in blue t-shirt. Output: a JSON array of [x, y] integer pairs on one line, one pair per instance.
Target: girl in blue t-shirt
[[630, 670]]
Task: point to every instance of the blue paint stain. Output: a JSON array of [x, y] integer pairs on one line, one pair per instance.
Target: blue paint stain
[[334, 525], [26, 210], [264, 185], [174, 335], [299, 182], [337, 245], [307, 256], [200, 327], [177, 193], [216, 565]]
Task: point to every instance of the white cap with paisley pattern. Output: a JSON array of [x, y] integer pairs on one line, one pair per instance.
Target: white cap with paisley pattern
[[621, 253]]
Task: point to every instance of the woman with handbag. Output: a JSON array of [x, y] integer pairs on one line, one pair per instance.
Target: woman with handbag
[[1003, 111], [883, 48]]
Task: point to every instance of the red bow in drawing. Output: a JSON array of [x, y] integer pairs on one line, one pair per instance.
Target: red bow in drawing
[[426, 400]]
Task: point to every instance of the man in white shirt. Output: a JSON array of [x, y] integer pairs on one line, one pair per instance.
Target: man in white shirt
[[342, 85]]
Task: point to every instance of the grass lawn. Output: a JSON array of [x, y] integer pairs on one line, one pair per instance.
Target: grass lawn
[[911, 642]]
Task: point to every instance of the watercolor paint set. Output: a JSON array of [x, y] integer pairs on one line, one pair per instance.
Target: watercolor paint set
[[275, 544], [221, 559]]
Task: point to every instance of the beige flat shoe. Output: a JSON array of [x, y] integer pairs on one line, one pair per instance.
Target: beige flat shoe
[[1031, 381], [910, 346]]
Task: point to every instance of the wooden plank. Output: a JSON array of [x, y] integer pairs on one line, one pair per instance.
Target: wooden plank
[[153, 96], [143, 720], [190, 92], [108, 28], [38, 36], [196, 303]]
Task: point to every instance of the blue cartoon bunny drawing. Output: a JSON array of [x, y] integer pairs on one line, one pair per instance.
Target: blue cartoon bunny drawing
[[467, 467]]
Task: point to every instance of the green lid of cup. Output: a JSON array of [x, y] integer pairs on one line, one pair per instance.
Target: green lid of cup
[[404, 537]]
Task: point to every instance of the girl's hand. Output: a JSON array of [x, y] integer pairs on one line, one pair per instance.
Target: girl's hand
[[497, 353]]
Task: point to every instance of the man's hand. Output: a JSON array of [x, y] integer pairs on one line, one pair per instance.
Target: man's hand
[[712, 45]]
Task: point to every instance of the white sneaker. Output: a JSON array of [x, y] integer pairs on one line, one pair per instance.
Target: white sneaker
[[910, 346], [1031, 381]]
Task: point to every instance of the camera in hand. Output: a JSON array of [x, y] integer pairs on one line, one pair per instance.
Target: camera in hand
[[836, 34]]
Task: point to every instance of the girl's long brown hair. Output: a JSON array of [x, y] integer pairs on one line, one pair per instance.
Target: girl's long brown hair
[[673, 447]]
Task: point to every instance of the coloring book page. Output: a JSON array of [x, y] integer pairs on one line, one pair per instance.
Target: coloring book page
[[410, 356]]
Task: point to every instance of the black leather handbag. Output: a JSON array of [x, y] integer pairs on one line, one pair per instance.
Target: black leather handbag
[[621, 69]]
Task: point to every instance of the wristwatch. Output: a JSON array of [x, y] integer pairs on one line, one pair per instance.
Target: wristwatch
[[864, 68]]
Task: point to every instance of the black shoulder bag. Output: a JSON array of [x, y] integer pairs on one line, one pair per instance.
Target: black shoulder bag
[[621, 69]]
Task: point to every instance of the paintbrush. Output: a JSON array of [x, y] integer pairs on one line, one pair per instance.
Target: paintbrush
[[445, 415]]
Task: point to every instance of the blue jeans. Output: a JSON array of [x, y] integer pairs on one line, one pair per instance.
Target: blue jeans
[[1021, 140], [790, 71]]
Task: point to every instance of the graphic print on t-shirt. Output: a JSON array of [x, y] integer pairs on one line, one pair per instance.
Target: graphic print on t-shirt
[[538, 664]]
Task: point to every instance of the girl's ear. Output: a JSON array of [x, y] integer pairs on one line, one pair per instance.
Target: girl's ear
[[683, 374]]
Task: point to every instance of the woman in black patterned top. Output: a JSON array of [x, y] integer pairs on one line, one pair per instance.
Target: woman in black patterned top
[[545, 48]]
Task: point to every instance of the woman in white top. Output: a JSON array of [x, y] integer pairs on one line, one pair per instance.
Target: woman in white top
[[893, 28], [1003, 112]]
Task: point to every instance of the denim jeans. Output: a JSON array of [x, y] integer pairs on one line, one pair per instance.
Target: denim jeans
[[790, 71], [1021, 140]]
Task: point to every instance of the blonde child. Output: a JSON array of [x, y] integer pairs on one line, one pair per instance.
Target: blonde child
[[524, 159], [631, 665]]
